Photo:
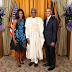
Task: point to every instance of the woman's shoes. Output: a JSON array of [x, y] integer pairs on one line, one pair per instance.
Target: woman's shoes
[[19, 65], [22, 63]]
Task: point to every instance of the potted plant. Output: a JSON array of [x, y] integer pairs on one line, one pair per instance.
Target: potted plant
[[68, 21], [68, 18]]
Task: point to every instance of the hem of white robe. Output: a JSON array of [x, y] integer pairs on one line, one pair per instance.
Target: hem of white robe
[[31, 58]]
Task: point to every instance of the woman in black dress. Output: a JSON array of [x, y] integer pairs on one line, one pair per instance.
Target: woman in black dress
[[19, 38]]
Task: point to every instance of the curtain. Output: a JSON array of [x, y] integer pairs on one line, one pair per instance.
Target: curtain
[[62, 49], [6, 33], [26, 5], [40, 5]]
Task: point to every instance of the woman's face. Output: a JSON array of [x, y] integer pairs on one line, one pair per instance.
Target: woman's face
[[20, 14]]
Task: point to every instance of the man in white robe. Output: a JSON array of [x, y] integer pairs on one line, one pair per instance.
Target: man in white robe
[[35, 39]]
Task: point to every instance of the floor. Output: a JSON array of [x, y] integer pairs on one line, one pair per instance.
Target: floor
[[8, 64]]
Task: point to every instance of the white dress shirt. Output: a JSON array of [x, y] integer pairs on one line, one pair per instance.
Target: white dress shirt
[[48, 19]]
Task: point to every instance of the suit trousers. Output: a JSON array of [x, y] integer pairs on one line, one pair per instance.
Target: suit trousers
[[50, 54]]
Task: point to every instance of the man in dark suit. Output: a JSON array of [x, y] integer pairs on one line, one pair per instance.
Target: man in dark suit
[[50, 35]]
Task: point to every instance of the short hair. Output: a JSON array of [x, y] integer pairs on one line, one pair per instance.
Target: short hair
[[33, 9], [49, 8]]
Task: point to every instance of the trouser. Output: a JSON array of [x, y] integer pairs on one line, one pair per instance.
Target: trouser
[[50, 54]]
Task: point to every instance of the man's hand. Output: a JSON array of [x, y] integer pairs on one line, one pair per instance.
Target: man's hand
[[28, 40], [52, 44]]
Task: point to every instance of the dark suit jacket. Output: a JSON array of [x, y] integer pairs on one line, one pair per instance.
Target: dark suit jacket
[[50, 31]]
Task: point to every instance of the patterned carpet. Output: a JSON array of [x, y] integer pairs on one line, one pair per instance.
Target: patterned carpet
[[7, 64]]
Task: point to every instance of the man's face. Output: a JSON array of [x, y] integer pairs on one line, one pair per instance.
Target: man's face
[[33, 13], [48, 12]]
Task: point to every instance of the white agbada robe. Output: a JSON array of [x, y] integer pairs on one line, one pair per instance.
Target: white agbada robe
[[34, 31]]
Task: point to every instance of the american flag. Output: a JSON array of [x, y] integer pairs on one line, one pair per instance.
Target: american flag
[[52, 7], [14, 13]]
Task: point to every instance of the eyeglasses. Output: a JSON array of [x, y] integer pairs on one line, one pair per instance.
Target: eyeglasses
[[33, 12]]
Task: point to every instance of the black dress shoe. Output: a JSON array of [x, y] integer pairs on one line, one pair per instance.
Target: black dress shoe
[[19, 65], [35, 65], [46, 64], [31, 63], [51, 68]]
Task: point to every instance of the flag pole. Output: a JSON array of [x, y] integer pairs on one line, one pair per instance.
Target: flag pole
[[12, 51]]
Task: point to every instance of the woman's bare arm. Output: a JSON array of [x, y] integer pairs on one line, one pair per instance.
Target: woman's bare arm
[[14, 25]]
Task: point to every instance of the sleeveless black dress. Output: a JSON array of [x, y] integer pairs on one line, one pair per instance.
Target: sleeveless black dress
[[19, 35]]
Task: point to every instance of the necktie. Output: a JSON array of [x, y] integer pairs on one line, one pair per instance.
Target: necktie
[[47, 21]]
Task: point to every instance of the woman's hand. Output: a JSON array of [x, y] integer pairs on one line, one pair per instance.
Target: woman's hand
[[28, 40], [15, 42]]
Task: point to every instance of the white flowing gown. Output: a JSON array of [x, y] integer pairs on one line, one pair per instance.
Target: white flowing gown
[[34, 31]]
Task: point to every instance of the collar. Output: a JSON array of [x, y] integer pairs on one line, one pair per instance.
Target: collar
[[33, 18], [49, 17]]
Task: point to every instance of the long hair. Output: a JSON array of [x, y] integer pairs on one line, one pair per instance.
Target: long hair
[[17, 14]]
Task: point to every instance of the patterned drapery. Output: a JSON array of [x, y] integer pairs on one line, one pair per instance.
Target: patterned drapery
[[40, 5], [62, 49], [6, 33]]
